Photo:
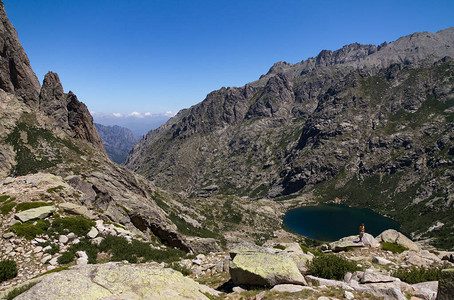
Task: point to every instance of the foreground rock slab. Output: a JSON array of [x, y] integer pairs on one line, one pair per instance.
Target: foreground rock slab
[[117, 281], [256, 266], [35, 213]]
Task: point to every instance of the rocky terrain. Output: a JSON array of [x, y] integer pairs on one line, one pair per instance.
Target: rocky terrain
[[75, 224], [117, 141], [368, 126]]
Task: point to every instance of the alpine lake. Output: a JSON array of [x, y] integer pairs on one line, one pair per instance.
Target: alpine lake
[[331, 222]]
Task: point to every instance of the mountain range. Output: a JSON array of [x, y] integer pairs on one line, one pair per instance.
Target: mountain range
[[368, 126]]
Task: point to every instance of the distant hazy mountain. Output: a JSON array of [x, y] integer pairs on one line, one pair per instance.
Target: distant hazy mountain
[[117, 140], [139, 124]]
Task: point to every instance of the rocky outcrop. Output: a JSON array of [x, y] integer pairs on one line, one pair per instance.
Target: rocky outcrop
[[117, 281], [16, 74], [354, 242], [67, 112], [395, 237], [35, 213], [256, 266]]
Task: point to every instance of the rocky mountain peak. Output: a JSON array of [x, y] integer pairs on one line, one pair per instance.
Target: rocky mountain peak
[[16, 74]]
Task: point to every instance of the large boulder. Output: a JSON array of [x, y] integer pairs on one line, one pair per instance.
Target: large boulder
[[35, 213], [393, 236], [446, 285], [203, 245], [75, 209], [257, 266], [117, 281], [354, 242]]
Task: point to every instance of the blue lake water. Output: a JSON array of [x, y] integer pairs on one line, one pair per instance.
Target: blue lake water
[[330, 222]]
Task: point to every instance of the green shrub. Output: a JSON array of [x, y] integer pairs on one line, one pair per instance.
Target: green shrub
[[182, 269], [3, 198], [136, 251], [55, 189], [331, 267], [394, 248], [414, 275], [19, 290], [7, 207], [29, 205], [53, 250], [66, 257], [29, 230], [78, 225], [306, 250], [8, 270], [84, 245]]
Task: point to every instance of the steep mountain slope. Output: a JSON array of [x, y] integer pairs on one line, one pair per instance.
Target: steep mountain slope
[[117, 141], [44, 130], [370, 125]]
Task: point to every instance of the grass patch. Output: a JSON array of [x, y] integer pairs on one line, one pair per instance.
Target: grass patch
[[84, 245], [30, 230], [78, 225], [29, 205], [55, 189], [4, 197], [394, 248], [19, 290], [8, 270], [331, 267], [414, 275], [306, 250], [137, 251], [7, 207], [187, 229], [278, 246]]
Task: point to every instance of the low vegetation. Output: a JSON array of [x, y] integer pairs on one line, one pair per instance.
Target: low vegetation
[[84, 245], [331, 266], [29, 205], [414, 275], [8, 270], [19, 290], [31, 229], [7, 207], [78, 225], [394, 248]]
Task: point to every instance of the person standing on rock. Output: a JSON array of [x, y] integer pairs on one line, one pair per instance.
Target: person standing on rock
[[362, 230], [15, 173]]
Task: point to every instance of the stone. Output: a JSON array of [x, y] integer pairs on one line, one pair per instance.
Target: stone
[[92, 233], [8, 235], [46, 258], [38, 249], [381, 261], [290, 288], [328, 282], [348, 295], [238, 289], [371, 277], [446, 285], [117, 281], [47, 248], [82, 258], [71, 235], [393, 236], [63, 239], [426, 290], [203, 245], [75, 209], [54, 261], [97, 241], [35, 213], [264, 269], [76, 241]]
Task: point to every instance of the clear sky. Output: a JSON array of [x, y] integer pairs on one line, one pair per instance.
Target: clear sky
[[121, 56]]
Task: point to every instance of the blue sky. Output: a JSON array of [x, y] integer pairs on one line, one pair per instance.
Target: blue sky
[[143, 56]]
